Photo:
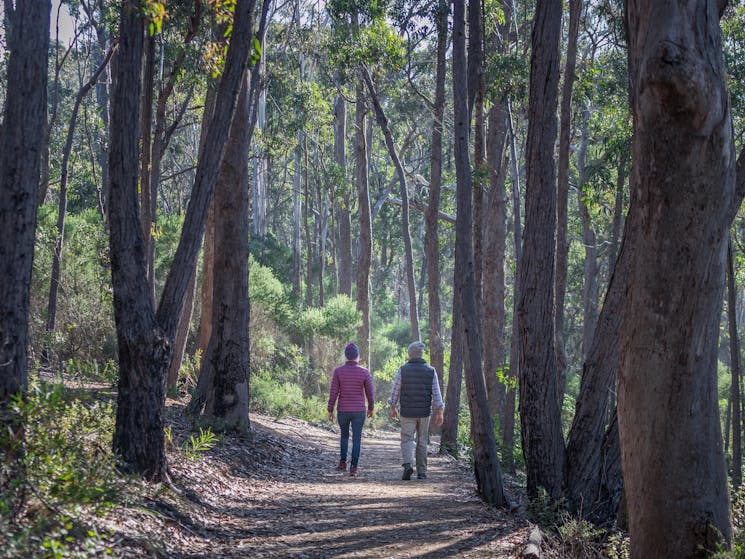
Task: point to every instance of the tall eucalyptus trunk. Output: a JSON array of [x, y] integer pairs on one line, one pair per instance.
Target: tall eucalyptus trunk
[[540, 414], [364, 260], [683, 200]]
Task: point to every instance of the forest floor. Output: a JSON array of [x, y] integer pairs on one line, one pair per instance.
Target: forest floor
[[276, 493]]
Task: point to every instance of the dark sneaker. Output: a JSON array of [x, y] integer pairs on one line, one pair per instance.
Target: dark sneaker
[[353, 471], [421, 476], [342, 466], [408, 470]]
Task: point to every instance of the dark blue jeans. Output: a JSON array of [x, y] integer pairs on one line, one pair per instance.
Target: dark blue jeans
[[357, 420]]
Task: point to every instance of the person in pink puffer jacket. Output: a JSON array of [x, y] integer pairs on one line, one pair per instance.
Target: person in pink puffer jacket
[[351, 385]]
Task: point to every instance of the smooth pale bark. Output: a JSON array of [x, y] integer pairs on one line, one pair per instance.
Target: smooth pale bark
[[562, 194], [62, 208], [543, 445], [227, 358], [260, 184], [364, 260], [343, 210], [405, 219], [144, 337], [21, 140], [297, 217], [734, 352], [495, 238], [431, 237], [486, 461], [683, 199]]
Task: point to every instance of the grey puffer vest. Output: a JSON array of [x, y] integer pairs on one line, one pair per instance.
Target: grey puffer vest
[[416, 388]]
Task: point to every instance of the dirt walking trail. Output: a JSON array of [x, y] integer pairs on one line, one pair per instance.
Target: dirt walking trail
[[278, 495]]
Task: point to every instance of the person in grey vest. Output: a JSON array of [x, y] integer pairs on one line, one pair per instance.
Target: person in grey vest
[[417, 389]]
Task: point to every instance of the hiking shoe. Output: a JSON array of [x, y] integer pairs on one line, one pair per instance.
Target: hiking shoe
[[353, 471], [342, 466], [421, 476], [408, 470]]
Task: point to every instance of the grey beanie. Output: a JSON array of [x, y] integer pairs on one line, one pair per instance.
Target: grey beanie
[[416, 349]]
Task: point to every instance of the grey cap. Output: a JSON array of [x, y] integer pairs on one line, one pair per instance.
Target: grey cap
[[416, 349]]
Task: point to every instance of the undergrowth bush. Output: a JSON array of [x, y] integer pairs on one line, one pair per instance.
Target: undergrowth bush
[[67, 469], [284, 399]]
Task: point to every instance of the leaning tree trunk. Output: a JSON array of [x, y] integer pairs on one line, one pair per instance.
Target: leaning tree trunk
[[486, 462], [683, 200], [543, 445], [363, 203], [590, 489], [734, 352], [405, 220]]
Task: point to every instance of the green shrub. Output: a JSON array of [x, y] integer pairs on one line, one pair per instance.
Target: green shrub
[[284, 399], [68, 469]]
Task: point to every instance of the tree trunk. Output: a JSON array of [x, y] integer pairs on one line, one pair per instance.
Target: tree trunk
[[182, 335], [562, 195], [147, 190], [495, 238], [590, 490], [683, 200], [543, 445], [513, 372], [144, 349], [343, 212], [734, 351], [297, 219], [449, 433], [590, 283], [405, 220], [480, 172], [261, 171], [617, 215], [431, 237], [228, 351], [21, 143], [144, 337], [486, 462], [208, 250], [62, 210], [364, 260]]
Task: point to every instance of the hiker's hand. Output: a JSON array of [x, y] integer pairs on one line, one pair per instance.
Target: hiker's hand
[[331, 417], [369, 413], [394, 413], [438, 418]]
